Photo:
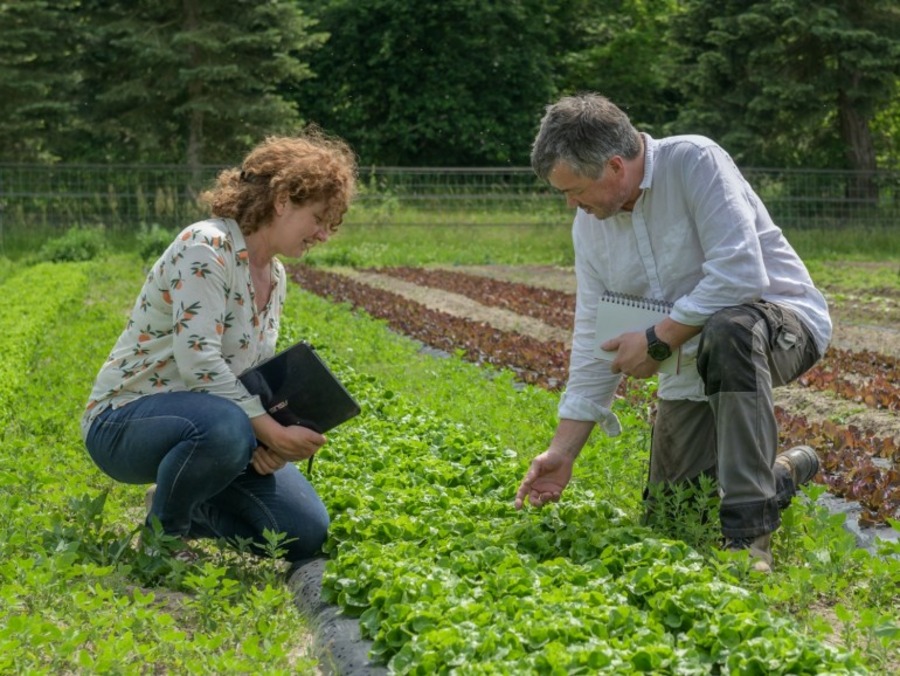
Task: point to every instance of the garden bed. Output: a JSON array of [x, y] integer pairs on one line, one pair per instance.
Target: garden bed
[[427, 558], [847, 406]]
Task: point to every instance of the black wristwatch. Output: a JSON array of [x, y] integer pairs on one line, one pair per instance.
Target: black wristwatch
[[655, 347]]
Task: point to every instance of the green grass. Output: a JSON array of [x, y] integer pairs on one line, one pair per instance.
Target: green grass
[[363, 246], [476, 238], [358, 245], [862, 276], [853, 244], [74, 603], [7, 268]]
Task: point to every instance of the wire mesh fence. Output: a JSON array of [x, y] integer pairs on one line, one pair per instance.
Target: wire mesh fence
[[51, 199]]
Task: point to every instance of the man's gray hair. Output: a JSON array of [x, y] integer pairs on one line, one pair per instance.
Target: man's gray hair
[[584, 131]]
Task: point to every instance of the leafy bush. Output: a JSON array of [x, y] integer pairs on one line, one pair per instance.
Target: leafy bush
[[152, 241], [75, 245]]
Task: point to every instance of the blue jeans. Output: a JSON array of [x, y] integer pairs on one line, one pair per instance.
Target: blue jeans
[[197, 447]]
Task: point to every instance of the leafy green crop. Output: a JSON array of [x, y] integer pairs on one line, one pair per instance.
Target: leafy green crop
[[77, 597], [26, 312], [427, 549]]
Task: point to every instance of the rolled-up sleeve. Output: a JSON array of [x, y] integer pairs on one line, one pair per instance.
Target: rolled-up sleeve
[[591, 386]]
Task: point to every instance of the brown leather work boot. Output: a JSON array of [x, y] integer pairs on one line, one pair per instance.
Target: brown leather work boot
[[760, 549], [801, 462]]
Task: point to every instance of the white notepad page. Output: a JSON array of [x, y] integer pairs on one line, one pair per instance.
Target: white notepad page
[[619, 313]]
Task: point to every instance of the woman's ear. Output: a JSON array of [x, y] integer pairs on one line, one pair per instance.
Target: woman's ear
[[280, 204]]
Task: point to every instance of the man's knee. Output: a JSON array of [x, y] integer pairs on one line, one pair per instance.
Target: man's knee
[[725, 352], [727, 330]]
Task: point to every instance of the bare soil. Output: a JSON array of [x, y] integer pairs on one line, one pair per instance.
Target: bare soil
[[849, 334], [869, 321]]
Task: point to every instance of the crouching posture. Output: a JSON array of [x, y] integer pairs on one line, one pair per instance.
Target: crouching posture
[[673, 219], [167, 407]]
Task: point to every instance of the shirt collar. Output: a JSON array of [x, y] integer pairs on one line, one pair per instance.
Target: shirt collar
[[234, 231], [651, 145]]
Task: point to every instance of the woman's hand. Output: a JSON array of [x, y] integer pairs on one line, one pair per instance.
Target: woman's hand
[[265, 461], [298, 443], [291, 442]]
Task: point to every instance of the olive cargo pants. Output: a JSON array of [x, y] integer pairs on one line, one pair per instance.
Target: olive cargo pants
[[744, 352]]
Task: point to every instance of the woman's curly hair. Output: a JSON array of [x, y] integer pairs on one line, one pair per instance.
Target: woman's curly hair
[[306, 168]]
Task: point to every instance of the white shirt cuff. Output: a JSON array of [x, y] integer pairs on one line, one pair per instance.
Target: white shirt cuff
[[574, 407], [252, 407]]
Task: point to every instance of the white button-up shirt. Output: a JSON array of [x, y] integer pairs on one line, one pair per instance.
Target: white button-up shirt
[[698, 236]]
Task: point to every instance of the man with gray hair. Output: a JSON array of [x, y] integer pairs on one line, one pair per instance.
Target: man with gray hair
[[673, 219]]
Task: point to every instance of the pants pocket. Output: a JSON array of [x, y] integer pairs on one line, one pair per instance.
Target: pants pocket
[[793, 350]]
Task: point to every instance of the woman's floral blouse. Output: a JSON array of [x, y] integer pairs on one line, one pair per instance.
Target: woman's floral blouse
[[195, 325]]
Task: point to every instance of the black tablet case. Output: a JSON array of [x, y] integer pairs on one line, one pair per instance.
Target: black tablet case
[[297, 388]]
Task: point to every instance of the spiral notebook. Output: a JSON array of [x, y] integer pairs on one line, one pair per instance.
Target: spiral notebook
[[619, 313], [297, 388]]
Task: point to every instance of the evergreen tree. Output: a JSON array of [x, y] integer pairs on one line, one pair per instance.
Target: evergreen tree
[[620, 49], [434, 82], [36, 78], [189, 81], [789, 82], [886, 131]]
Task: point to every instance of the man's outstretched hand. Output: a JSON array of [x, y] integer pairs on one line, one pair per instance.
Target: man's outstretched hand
[[546, 479]]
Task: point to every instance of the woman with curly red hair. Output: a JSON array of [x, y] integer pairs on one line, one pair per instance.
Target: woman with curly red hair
[[168, 408]]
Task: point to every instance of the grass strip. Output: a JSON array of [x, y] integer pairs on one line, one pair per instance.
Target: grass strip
[[78, 597]]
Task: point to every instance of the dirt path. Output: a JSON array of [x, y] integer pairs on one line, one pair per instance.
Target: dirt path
[[882, 336], [816, 406], [461, 306]]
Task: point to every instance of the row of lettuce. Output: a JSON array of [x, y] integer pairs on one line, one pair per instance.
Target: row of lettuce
[[426, 548], [76, 595]]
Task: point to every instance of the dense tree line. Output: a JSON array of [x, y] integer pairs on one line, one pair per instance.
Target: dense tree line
[[444, 82]]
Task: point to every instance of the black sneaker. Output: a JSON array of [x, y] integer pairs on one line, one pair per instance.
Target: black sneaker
[[801, 462], [760, 549]]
